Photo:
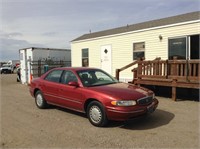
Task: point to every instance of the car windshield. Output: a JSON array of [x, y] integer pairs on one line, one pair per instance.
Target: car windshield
[[95, 77]]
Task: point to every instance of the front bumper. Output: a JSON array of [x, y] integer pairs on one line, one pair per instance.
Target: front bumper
[[125, 113], [6, 71]]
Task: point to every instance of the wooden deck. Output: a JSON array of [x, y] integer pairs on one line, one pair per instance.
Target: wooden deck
[[173, 73]]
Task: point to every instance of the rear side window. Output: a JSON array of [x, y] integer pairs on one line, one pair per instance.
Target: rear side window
[[54, 76]]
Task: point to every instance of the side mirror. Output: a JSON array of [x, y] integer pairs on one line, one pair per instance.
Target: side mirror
[[75, 84]]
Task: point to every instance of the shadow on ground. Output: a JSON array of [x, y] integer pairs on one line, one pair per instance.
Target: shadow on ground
[[157, 119], [154, 120]]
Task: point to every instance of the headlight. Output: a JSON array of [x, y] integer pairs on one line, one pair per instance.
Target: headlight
[[124, 103]]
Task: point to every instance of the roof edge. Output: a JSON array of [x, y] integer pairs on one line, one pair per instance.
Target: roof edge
[[45, 48], [158, 23]]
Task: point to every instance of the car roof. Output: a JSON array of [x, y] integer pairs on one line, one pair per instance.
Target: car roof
[[76, 68]]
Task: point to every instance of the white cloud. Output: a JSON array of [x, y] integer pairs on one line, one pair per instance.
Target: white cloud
[[9, 48], [54, 23]]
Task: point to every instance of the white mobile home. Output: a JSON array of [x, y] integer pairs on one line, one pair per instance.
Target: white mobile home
[[114, 48], [33, 54]]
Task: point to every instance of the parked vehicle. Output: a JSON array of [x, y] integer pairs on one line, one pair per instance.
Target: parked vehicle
[[6, 68], [94, 92], [13, 63]]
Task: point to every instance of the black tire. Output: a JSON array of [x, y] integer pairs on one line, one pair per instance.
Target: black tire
[[40, 101], [96, 114]]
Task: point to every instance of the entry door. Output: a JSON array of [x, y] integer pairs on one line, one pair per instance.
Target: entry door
[[194, 47], [106, 58]]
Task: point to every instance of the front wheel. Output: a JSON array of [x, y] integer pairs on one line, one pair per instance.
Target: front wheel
[[96, 114], [40, 101]]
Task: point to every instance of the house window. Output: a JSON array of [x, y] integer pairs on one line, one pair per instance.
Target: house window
[[184, 47], [85, 58], [67, 77], [138, 50], [177, 48]]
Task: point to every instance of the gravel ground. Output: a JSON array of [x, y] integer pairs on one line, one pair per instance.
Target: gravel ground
[[172, 125]]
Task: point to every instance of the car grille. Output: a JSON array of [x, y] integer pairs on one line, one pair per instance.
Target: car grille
[[145, 100]]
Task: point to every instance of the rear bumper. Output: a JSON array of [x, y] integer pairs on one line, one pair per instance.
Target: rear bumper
[[6, 71], [31, 90], [120, 114]]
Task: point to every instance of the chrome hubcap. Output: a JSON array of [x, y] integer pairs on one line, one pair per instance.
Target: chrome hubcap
[[95, 114], [39, 100]]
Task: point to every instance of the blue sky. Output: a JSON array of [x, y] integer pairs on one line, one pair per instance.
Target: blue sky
[[54, 23]]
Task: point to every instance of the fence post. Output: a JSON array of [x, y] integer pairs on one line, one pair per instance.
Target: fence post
[[117, 74], [174, 67], [157, 63], [61, 63], [134, 73], [174, 89], [167, 69], [39, 68], [139, 72], [188, 69], [174, 93]]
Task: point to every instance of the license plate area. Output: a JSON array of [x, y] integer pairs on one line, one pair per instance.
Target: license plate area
[[150, 108]]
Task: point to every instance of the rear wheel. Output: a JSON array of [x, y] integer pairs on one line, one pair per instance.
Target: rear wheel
[[40, 101], [96, 114]]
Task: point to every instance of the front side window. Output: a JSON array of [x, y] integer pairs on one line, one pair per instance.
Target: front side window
[[95, 78], [67, 77], [138, 50], [54, 76], [85, 58]]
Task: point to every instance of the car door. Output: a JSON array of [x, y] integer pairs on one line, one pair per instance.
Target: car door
[[50, 86], [70, 96]]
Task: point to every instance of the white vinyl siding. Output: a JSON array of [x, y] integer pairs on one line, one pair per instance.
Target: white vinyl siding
[[122, 46]]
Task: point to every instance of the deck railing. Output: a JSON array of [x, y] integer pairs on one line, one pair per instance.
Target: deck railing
[[174, 73], [117, 73], [180, 70]]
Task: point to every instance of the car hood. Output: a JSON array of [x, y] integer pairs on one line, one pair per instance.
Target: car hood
[[123, 91]]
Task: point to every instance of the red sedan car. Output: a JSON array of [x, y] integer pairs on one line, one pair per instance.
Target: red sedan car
[[94, 92]]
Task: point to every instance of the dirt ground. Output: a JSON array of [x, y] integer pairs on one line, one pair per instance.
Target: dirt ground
[[23, 125]]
